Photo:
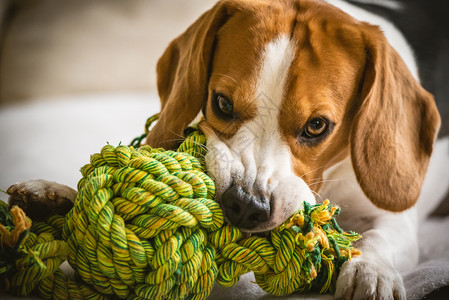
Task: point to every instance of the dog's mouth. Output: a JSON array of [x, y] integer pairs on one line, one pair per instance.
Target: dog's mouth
[[254, 213], [259, 210]]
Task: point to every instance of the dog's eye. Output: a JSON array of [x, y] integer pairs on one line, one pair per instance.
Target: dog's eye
[[315, 131], [315, 128], [224, 105]]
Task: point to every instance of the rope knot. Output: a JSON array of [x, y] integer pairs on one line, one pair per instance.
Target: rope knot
[[145, 225]]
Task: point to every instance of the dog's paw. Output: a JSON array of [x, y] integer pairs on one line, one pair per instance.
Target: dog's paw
[[41, 199], [367, 278]]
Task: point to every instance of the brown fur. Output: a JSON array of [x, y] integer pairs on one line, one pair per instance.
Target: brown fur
[[344, 70], [394, 128], [324, 80], [182, 77], [184, 68]]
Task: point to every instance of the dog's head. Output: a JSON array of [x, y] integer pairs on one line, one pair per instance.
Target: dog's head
[[287, 90]]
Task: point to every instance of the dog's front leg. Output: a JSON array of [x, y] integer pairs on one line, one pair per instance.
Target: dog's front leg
[[388, 248], [389, 240]]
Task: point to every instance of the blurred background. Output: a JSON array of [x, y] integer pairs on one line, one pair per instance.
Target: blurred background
[[52, 48], [77, 74]]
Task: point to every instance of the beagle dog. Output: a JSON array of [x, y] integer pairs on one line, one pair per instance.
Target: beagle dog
[[303, 100]]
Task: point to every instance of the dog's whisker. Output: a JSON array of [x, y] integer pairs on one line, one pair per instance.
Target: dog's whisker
[[175, 140], [200, 145], [311, 180], [323, 181], [314, 170], [178, 135], [318, 195]]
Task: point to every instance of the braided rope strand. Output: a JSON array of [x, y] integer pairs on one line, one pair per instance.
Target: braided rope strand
[[145, 226]]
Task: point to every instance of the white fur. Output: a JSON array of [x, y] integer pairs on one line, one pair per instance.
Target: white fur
[[389, 243], [391, 4], [256, 158], [257, 152], [359, 214]]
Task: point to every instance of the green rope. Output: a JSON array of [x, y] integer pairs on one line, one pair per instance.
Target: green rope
[[138, 140], [31, 262], [145, 226]]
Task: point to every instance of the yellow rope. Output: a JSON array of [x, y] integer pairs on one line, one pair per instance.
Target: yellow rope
[[145, 226]]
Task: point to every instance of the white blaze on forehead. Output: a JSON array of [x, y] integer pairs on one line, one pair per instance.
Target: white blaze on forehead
[[271, 85], [277, 59], [258, 144], [256, 157]]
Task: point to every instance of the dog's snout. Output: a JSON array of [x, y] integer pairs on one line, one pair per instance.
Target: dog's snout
[[244, 210]]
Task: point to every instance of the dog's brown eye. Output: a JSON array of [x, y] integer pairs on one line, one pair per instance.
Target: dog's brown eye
[[225, 105], [315, 127], [316, 130]]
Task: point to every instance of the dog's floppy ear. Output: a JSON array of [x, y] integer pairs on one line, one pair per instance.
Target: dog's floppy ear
[[394, 128], [182, 73]]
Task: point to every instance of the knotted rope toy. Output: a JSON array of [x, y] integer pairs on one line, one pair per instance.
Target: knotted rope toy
[[145, 226]]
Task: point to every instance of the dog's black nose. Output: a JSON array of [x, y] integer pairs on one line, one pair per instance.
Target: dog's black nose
[[243, 210]]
